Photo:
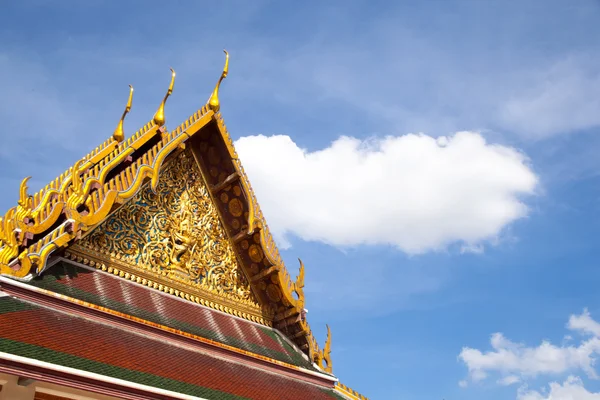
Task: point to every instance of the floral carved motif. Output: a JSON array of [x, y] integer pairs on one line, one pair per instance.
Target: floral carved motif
[[175, 232]]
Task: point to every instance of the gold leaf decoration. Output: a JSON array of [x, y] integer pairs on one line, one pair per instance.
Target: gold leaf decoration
[[176, 232]]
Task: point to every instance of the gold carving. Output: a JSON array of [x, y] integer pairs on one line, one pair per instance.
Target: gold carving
[[165, 288], [327, 352], [298, 286], [323, 357], [175, 232], [292, 292], [24, 199], [78, 194]]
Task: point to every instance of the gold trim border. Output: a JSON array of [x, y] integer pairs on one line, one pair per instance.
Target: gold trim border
[[351, 393], [198, 296]]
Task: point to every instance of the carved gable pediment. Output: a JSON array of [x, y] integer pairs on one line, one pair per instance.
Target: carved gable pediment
[[173, 236]]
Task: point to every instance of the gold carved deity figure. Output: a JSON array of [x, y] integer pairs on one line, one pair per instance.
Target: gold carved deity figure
[[183, 241]]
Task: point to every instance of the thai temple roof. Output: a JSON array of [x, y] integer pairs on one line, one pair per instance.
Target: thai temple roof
[[147, 270]]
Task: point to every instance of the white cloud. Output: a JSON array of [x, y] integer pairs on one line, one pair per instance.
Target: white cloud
[[472, 248], [508, 357], [561, 98], [415, 192], [515, 362], [538, 97], [571, 389], [509, 380], [584, 324]]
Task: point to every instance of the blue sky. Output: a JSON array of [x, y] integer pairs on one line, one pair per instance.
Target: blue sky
[[418, 247]]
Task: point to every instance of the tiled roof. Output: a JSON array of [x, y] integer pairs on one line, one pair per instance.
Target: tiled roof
[[54, 220], [126, 297], [59, 338]]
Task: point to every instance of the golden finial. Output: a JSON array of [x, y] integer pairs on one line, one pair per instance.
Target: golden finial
[[24, 199], [159, 117], [213, 102], [119, 135]]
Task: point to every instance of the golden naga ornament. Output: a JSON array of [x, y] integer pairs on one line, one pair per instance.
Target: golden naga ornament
[[323, 357], [298, 286]]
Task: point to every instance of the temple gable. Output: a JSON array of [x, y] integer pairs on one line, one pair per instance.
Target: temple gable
[[173, 236], [122, 244]]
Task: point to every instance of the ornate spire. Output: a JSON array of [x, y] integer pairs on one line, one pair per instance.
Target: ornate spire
[[159, 117], [119, 135], [213, 102]]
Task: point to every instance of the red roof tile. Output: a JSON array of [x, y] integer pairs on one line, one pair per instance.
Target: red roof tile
[[26, 326]]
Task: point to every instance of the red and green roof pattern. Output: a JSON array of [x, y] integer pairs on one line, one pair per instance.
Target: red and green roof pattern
[[126, 297], [59, 338]]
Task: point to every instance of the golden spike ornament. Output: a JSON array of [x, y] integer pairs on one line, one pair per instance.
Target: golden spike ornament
[[159, 117], [2, 233], [119, 134], [24, 202], [327, 352], [9, 248], [299, 284], [76, 198], [213, 102], [321, 357]]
